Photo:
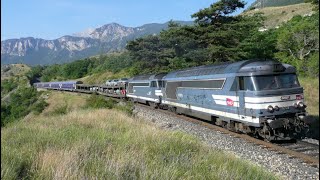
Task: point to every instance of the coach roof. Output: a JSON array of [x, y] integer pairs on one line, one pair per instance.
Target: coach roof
[[65, 82]]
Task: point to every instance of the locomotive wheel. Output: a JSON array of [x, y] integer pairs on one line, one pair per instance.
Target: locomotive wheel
[[173, 109], [153, 105], [266, 133]]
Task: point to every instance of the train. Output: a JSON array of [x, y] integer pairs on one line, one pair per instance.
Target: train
[[262, 98]]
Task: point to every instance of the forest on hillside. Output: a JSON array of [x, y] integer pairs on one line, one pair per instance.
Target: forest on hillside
[[216, 37]]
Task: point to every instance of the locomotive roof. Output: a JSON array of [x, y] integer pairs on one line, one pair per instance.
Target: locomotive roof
[[231, 67], [148, 76]]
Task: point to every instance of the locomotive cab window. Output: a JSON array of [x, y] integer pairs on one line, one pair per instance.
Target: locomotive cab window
[[161, 84], [153, 84], [278, 81], [246, 83]]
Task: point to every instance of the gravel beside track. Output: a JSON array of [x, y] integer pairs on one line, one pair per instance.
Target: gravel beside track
[[280, 164]]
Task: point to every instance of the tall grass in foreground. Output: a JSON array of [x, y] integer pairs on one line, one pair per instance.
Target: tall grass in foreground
[[108, 144], [311, 94], [311, 97]]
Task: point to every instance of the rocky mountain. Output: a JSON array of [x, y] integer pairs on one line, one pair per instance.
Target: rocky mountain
[[108, 38], [273, 3]]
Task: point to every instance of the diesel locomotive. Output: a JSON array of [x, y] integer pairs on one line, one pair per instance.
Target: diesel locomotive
[[258, 97]]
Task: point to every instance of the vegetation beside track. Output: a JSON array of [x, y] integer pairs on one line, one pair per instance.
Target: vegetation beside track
[[108, 143]]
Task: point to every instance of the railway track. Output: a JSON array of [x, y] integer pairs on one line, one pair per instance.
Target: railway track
[[306, 148], [307, 152]]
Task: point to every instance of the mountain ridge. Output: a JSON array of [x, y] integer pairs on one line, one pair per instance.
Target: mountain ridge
[[107, 38]]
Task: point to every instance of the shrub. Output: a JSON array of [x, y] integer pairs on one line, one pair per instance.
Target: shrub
[[8, 85], [96, 101], [60, 110], [20, 104], [313, 65], [126, 107], [39, 106]]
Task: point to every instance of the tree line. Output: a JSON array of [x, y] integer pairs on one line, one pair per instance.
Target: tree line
[[218, 37], [215, 37]]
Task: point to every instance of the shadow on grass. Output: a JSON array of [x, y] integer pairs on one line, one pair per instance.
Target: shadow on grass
[[313, 122]]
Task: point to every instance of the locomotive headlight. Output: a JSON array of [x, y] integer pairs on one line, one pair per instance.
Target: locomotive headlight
[[276, 108], [270, 109], [301, 105]]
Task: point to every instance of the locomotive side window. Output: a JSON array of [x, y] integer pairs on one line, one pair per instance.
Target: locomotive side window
[[130, 86], [209, 84], [153, 84], [140, 84]]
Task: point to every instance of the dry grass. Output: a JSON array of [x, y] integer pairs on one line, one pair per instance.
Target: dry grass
[[60, 99], [311, 97], [277, 15], [108, 144], [311, 94]]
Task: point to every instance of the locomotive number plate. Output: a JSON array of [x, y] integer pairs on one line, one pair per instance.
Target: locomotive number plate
[[285, 97]]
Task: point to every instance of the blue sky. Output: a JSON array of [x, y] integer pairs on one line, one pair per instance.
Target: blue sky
[[51, 19]]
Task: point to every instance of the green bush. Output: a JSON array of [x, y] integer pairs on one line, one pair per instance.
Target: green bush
[[39, 106], [60, 110], [126, 107], [8, 85], [96, 101], [313, 65], [20, 104]]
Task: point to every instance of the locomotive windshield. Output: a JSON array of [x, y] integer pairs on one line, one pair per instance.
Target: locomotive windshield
[[267, 82], [271, 82]]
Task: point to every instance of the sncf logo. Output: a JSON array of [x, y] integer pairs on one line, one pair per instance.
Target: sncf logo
[[230, 102]]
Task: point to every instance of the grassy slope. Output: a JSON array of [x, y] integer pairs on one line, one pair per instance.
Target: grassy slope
[[269, 3], [101, 78], [277, 15], [15, 70], [108, 144]]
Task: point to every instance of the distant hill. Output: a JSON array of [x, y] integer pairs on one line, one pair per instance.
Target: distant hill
[[277, 15], [274, 3], [108, 38]]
